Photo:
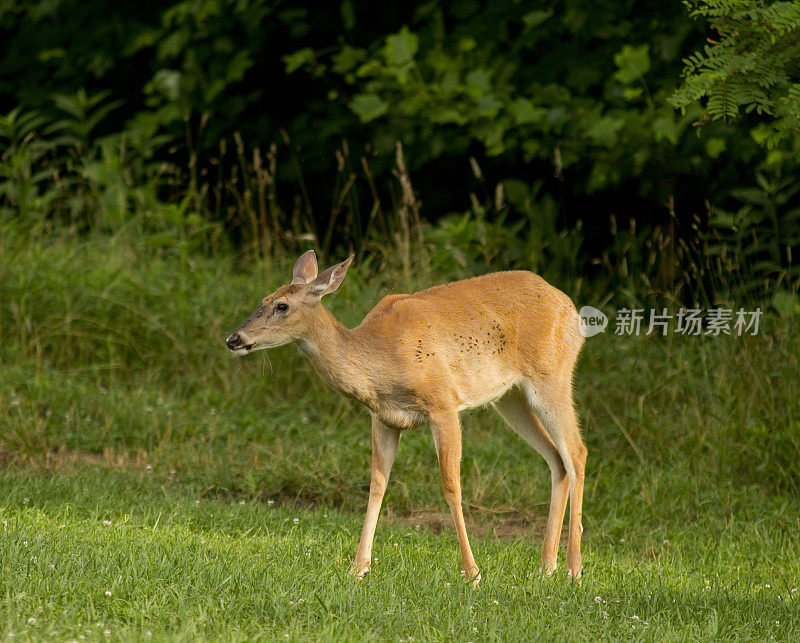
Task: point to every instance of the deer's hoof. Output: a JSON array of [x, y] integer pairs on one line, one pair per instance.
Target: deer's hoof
[[359, 570], [473, 577], [547, 569], [574, 577]]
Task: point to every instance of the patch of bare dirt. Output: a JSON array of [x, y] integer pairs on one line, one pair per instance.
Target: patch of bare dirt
[[509, 524], [63, 459]]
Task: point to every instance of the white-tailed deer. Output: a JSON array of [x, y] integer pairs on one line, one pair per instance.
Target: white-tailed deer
[[507, 338]]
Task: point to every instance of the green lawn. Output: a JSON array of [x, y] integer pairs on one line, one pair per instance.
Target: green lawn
[[151, 486], [130, 556]]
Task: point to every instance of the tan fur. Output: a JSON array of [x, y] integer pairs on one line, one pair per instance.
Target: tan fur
[[507, 338]]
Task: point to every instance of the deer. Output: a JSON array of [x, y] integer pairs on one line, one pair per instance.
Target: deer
[[508, 339]]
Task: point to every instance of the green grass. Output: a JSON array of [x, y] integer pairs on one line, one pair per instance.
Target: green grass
[[119, 403], [97, 551]]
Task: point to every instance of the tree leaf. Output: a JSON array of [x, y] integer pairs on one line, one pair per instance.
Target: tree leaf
[[368, 107], [523, 112], [401, 47], [296, 60], [632, 63]]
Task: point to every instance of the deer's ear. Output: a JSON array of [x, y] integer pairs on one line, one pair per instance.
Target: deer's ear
[[331, 278], [305, 269]]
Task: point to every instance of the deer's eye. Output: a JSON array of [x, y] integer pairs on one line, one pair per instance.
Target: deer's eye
[[282, 308]]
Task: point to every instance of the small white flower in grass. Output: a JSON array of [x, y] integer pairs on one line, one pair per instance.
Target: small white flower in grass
[[25, 542], [25, 501], [270, 502], [106, 523], [767, 585], [598, 599], [32, 621], [794, 590], [108, 592], [106, 632], [634, 617], [296, 521], [496, 602]]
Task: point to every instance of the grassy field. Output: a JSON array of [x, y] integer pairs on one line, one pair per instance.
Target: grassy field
[[153, 487]]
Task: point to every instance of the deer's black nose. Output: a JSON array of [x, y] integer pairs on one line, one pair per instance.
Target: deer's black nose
[[234, 341]]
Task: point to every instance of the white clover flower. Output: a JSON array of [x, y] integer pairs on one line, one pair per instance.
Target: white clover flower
[[108, 592], [31, 621]]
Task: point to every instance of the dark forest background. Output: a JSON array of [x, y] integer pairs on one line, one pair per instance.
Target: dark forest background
[[588, 138]]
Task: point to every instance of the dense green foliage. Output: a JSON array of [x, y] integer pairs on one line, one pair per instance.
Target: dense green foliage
[[564, 108], [752, 64]]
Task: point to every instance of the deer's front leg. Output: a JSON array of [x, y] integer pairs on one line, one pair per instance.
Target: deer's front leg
[[384, 448], [447, 435]]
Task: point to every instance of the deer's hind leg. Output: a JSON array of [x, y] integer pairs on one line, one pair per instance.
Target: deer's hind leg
[[515, 408], [555, 408]]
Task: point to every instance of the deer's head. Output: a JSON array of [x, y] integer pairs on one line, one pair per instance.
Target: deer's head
[[288, 313]]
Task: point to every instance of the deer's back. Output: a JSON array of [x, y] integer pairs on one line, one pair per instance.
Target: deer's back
[[469, 340]]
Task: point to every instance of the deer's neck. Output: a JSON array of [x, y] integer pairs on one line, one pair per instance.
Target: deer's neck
[[340, 356]]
